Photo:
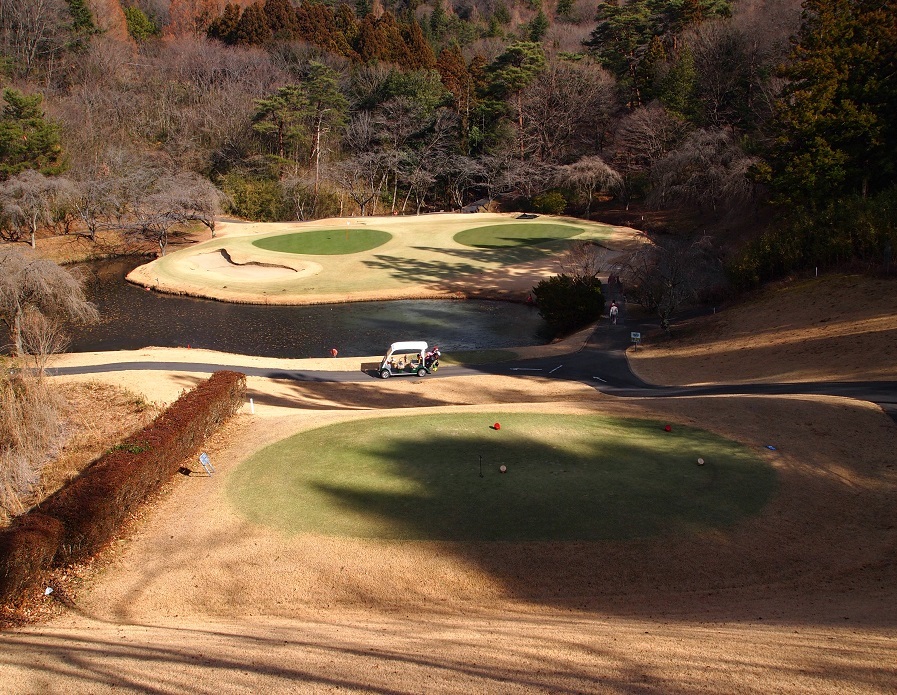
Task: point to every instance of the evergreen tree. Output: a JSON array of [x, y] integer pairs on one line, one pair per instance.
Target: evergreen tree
[[140, 27], [253, 29], [564, 9], [281, 19], [419, 54], [327, 110], [624, 32], [837, 133], [82, 18], [319, 25], [224, 28], [513, 71], [677, 89], [27, 139], [538, 27], [282, 117]]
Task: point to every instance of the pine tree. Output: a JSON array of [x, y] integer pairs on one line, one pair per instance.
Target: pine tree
[[27, 139], [513, 71], [282, 117], [538, 27]]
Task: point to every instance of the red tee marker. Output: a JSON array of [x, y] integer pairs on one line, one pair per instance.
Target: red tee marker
[[496, 426], [668, 428]]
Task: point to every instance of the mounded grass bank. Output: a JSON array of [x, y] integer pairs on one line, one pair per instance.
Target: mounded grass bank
[[325, 242], [569, 477]]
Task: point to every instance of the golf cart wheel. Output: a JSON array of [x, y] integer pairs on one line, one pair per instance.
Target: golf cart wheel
[[385, 373], [421, 371]]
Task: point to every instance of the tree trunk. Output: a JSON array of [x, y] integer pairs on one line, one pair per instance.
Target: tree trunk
[[17, 348]]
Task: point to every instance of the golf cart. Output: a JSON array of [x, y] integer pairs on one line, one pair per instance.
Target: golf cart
[[409, 357]]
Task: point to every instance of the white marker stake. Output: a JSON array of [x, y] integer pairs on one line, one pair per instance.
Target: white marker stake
[[251, 407]]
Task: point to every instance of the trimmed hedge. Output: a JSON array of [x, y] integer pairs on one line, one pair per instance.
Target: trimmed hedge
[[82, 517]]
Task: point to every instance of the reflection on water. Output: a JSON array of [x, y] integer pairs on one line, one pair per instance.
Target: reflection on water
[[133, 318]]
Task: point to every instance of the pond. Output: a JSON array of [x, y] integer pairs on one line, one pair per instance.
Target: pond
[[134, 318]]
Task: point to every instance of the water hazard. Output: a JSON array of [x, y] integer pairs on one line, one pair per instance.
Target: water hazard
[[134, 318]]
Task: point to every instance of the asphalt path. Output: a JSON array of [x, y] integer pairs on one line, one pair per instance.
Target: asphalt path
[[600, 363]]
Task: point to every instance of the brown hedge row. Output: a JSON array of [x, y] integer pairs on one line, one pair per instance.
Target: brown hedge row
[[82, 517]]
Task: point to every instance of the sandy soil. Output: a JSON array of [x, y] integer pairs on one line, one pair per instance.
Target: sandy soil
[[801, 599]]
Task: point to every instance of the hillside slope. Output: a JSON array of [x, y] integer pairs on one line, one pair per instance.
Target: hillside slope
[[834, 328]]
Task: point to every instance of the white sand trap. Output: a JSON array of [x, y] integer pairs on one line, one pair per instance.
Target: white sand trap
[[223, 263]]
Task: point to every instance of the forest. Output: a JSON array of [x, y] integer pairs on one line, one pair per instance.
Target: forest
[[764, 126]]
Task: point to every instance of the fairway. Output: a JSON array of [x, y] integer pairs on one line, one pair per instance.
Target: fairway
[[515, 234], [569, 477], [325, 242]]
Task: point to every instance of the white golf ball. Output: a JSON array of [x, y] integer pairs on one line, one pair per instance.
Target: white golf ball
[[700, 462], [503, 468]]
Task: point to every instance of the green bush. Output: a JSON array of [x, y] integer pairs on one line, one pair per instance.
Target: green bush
[[259, 199], [82, 517], [567, 303], [550, 203]]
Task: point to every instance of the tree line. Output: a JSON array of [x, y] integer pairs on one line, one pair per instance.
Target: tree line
[[734, 112]]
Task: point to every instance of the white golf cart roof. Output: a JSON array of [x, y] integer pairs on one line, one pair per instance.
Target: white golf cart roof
[[418, 345]]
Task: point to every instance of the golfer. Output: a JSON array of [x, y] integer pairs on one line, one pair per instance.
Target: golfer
[[614, 310]]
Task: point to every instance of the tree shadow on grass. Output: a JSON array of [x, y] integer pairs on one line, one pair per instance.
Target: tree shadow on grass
[[461, 262]]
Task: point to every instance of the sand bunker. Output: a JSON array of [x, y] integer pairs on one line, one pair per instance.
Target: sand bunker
[[224, 264]]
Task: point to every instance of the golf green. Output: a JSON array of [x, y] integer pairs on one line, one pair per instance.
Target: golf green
[[437, 476], [325, 242], [515, 234]]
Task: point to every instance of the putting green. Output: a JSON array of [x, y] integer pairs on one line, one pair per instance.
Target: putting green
[[517, 234], [569, 477], [325, 242]]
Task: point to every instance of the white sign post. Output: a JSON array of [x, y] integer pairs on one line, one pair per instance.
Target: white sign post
[[206, 463], [636, 339]]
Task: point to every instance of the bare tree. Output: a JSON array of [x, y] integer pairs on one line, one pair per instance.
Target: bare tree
[[28, 201], [590, 175], [32, 284], [459, 174], [665, 276], [567, 110], [167, 200], [584, 260], [362, 178], [31, 30], [708, 170], [646, 135]]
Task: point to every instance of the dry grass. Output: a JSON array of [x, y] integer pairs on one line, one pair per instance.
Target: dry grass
[[827, 329], [96, 416]]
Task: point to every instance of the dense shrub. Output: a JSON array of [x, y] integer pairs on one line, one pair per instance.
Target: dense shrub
[[261, 199], [26, 550], [567, 303], [85, 515], [549, 203]]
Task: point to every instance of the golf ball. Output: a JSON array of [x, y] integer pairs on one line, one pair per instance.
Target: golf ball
[[503, 469], [700, 462]]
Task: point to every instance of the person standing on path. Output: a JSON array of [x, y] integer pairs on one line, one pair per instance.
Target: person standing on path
[[613, 312]]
